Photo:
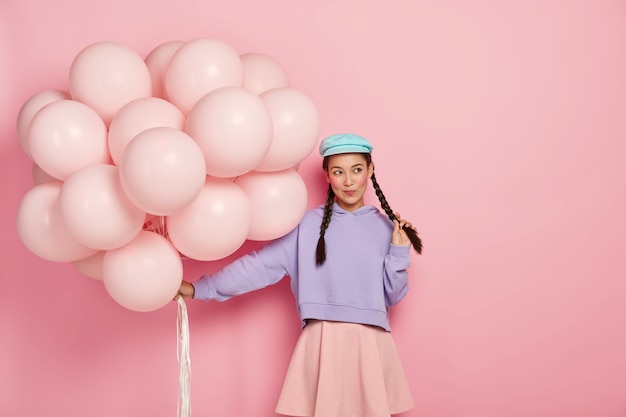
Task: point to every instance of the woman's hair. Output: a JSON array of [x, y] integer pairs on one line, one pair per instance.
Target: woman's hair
[[320, 253]]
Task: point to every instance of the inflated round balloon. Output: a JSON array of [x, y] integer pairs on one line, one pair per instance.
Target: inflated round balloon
[[30, 108], [198, 67], [91, 266], [107, 75], [278, 201], [65, 136], [163, 170], [157, 61], [296, 128], [137, 116], [262, 73], [95, 210], [143, 275], [215, 225], [40, 227], [234, 130]]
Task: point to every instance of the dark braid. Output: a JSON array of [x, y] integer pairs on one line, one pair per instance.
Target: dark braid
[[412, 234], [320, 253]]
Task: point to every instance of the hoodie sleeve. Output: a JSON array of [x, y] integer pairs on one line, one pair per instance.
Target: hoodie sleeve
[[396, 277], [253, 271]]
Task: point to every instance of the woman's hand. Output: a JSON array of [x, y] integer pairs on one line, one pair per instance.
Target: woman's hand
[[186, 290], [399, 236]]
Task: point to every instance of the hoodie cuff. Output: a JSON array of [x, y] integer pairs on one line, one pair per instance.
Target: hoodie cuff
[[400, 256], [202, 290]]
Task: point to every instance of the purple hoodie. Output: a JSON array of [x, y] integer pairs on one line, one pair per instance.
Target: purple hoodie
[[364, 274]]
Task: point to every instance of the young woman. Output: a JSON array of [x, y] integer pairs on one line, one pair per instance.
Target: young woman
[[348, 265]]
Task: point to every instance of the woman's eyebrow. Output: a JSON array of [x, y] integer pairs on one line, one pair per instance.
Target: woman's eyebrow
[[353, 166]]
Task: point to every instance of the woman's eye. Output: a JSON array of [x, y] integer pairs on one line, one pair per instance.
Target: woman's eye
[[337, 172], [358, 170]]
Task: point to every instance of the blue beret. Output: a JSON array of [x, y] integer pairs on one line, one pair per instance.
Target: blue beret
[[344, 143]]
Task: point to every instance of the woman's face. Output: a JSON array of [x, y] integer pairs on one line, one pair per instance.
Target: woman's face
[[348, 175]]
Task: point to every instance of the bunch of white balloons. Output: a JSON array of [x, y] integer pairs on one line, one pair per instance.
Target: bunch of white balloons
[[144, 162]]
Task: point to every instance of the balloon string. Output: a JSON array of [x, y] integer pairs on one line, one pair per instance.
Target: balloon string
[[163, 227], [182, 352]]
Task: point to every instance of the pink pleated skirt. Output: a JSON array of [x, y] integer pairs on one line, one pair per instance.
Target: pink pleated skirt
[[344, 370]]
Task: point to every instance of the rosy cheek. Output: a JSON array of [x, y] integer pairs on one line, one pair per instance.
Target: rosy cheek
[[335, 182]]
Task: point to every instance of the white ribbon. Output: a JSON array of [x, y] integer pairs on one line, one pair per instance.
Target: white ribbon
[[184, 377]]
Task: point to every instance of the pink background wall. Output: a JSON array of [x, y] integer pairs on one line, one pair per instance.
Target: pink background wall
[[500, 130]]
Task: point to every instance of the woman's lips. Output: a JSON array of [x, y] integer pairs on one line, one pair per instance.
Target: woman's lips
[[349, 193]]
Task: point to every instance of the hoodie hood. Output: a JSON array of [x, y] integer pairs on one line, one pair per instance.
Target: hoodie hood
[[366, 210]]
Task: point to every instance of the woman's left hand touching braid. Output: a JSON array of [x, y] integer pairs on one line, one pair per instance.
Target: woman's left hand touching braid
[[399, 236]]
